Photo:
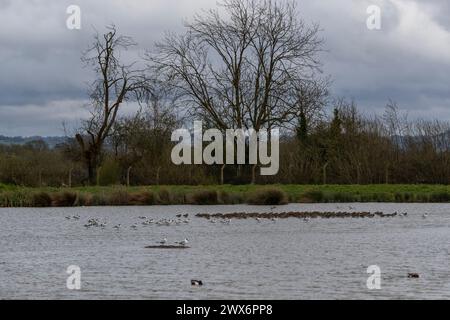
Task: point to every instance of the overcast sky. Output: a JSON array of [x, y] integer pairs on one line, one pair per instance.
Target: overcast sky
[[43, 82]]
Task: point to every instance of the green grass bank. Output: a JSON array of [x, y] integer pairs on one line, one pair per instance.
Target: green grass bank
[[15, 196]]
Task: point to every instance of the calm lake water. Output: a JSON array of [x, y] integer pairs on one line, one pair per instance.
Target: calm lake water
[[286, 259]]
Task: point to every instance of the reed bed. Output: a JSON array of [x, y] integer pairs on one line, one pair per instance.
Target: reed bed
[[14, 196]]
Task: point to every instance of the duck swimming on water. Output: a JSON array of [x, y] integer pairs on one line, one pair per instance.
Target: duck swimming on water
[[196, 283]]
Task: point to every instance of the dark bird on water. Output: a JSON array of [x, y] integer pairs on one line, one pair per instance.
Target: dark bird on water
[[413, 275]]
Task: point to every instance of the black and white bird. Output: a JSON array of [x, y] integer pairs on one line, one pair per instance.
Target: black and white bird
[[197, 283], [163, 241]]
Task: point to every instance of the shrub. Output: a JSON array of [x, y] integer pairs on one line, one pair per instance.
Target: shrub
[[16, 199], [164, 197], [312, 196], [440, 197], [404, 197], [143, 198], [119, 198], [109, 173], [98, 199], [343, 197], [268, 197], [42, 200], [422, 197], [84, 200], [383, 197], [224, 197], [64, 199], [204, 197]]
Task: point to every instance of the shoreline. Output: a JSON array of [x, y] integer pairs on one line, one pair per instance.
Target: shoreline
[[15, 196]]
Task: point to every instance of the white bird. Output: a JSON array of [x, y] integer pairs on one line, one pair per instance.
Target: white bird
[[163, 242], [425, 215]]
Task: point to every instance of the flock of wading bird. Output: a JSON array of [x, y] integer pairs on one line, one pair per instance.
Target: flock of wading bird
[[226, 218], [306, 216], [183, 219]]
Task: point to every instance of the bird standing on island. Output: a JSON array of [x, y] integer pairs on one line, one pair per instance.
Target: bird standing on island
[[163, 242]]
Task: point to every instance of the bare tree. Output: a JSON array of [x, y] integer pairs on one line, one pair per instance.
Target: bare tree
[[238, 69], [116, 83]]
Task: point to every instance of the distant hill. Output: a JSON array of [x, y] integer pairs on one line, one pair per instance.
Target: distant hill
[[50, 141]]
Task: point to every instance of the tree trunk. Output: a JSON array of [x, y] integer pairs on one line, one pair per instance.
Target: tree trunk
[[157, 175], [70, 177], [254, 173], [358, 174], [325, 173], [128, 176], [40, 178], [221, 174], [387, 175], [98, 175]]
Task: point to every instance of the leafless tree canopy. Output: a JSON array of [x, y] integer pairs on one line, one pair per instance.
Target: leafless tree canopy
[[116, 83], [244, 67]]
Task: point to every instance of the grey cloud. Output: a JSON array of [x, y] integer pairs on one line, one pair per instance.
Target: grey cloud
[[42, 78]]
